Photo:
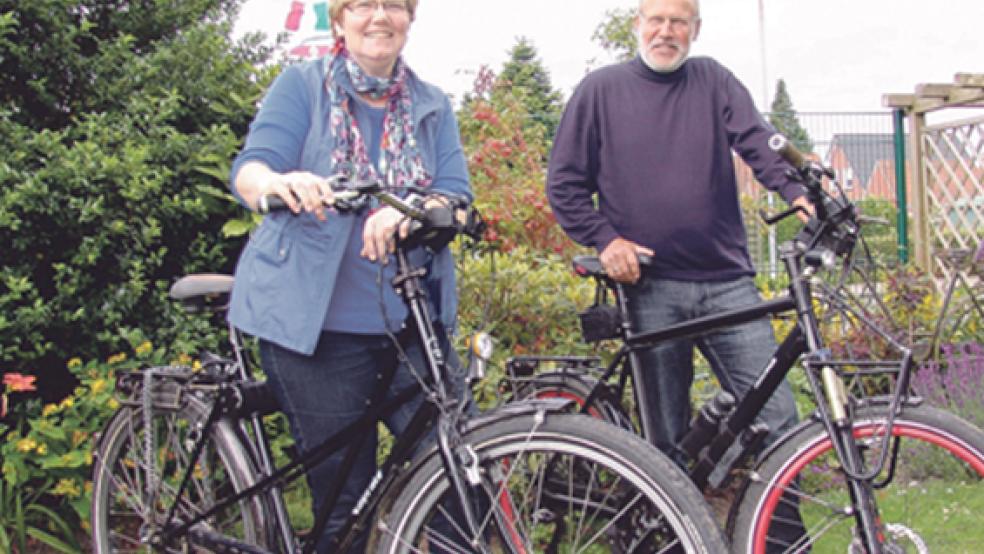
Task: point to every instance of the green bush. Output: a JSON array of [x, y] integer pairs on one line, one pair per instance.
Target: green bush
[[528, 301], [115, 142]]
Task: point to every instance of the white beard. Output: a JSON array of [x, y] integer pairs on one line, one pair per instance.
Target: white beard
[[658, 69]]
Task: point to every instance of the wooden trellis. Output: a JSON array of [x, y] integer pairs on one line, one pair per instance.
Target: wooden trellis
[[947, 190]]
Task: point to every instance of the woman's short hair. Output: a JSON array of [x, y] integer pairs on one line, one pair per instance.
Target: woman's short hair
[[336, 7]]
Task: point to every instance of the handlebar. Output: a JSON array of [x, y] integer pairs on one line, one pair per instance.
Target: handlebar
[[433, 227], [836, 223]]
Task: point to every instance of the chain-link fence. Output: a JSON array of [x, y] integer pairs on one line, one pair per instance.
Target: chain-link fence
[[860, 148]]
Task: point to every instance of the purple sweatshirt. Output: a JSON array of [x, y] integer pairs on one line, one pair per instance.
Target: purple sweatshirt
[[656, 149]]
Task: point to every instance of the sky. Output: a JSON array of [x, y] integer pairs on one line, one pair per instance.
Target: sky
[[834, 55]]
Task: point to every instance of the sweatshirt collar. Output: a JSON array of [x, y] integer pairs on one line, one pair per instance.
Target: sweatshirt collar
[[640, 68]]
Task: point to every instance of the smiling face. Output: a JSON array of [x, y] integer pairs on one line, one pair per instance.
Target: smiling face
[[665, 29], [374, 39]]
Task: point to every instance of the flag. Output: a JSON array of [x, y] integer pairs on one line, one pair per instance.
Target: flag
[[321, 11], [294, 16]]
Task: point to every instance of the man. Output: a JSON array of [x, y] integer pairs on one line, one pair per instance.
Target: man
[[652, 138]]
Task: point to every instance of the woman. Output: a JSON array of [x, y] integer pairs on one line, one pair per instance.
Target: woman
[[314, 285]]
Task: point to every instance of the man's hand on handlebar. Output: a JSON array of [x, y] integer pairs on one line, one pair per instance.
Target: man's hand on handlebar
[[804, 216], [621, 260]]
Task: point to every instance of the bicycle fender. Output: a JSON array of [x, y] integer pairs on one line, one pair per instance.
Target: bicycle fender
[[521, 408], [872, 402]]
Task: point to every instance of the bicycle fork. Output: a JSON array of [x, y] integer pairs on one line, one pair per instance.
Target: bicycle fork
[[871, 532]]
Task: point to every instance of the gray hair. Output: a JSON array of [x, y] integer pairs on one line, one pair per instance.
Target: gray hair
[[696, 4]]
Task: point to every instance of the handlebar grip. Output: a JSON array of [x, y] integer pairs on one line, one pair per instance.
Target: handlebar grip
[[781, 145], [274, 203], [270, 203]]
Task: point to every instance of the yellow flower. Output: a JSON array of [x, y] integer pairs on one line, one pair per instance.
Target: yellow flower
[[116, 358], [78, 437], [113, 404], [49, 409], [26, 445], [74, 363], [196, 364], [183, 359], [67, 403], [67, 487], [144, 348], [97, 386], [42, 449]]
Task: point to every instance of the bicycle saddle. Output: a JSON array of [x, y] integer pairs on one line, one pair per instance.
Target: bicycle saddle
[[200, 290]]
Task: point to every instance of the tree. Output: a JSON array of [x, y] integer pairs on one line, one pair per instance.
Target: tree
[[506, 162], [118, 121], [783, 118], [530, 81], [616, 35]]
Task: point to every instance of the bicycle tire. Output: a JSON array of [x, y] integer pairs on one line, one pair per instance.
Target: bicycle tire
[[619, 493], [124, 513], [605, 406], [941, 457]]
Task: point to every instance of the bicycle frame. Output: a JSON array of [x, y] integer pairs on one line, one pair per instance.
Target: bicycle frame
[[804, 342], [441, 410]]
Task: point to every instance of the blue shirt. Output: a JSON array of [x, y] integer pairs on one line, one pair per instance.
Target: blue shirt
[[358, 278]]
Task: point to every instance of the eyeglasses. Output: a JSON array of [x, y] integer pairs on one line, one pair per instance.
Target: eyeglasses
[[364, 8], [677, 24]]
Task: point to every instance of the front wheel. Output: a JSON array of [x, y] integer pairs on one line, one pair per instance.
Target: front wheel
[[566, 483], [797, 498]]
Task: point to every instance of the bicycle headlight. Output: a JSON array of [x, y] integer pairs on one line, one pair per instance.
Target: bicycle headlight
[[479, 353]]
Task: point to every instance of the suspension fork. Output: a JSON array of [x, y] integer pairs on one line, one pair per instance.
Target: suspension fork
[[834, 406]]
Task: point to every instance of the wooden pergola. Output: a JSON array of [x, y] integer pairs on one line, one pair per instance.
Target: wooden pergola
[[966, 91]]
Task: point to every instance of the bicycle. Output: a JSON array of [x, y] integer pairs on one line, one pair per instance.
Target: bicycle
[[963, 301], [824, 486], [185, 464]]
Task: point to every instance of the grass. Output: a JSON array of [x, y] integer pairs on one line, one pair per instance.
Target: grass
[[946, 515]]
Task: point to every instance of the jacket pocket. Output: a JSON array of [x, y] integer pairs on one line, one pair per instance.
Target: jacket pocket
[[270, 244]]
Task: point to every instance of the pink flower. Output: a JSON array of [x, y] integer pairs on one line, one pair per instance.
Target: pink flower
[[17, 382]]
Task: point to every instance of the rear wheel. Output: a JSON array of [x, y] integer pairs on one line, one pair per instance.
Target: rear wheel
[[137, 470], [797, 495], [577, 388], [566, 483]]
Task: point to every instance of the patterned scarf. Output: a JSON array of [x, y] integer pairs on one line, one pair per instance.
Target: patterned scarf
[[400, 162]]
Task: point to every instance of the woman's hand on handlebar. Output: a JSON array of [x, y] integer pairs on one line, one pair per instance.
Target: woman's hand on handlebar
[[300, 190], [621, 260], [379, 232], [382, 227]]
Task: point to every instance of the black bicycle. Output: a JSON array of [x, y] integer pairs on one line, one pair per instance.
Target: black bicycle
[[185, 465], [872, 470]]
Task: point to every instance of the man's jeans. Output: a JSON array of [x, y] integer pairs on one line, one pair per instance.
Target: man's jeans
[[330, 389], [737, 355]]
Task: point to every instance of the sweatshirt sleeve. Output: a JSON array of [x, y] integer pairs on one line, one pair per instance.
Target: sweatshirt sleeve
[[572, 173], [276, 135], [749, 133], [451, 173]]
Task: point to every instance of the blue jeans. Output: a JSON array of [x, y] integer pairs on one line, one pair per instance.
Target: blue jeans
[[330, 389], [737, 355]]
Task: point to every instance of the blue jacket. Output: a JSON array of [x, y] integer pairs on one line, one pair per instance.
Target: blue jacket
[[286, 274]]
